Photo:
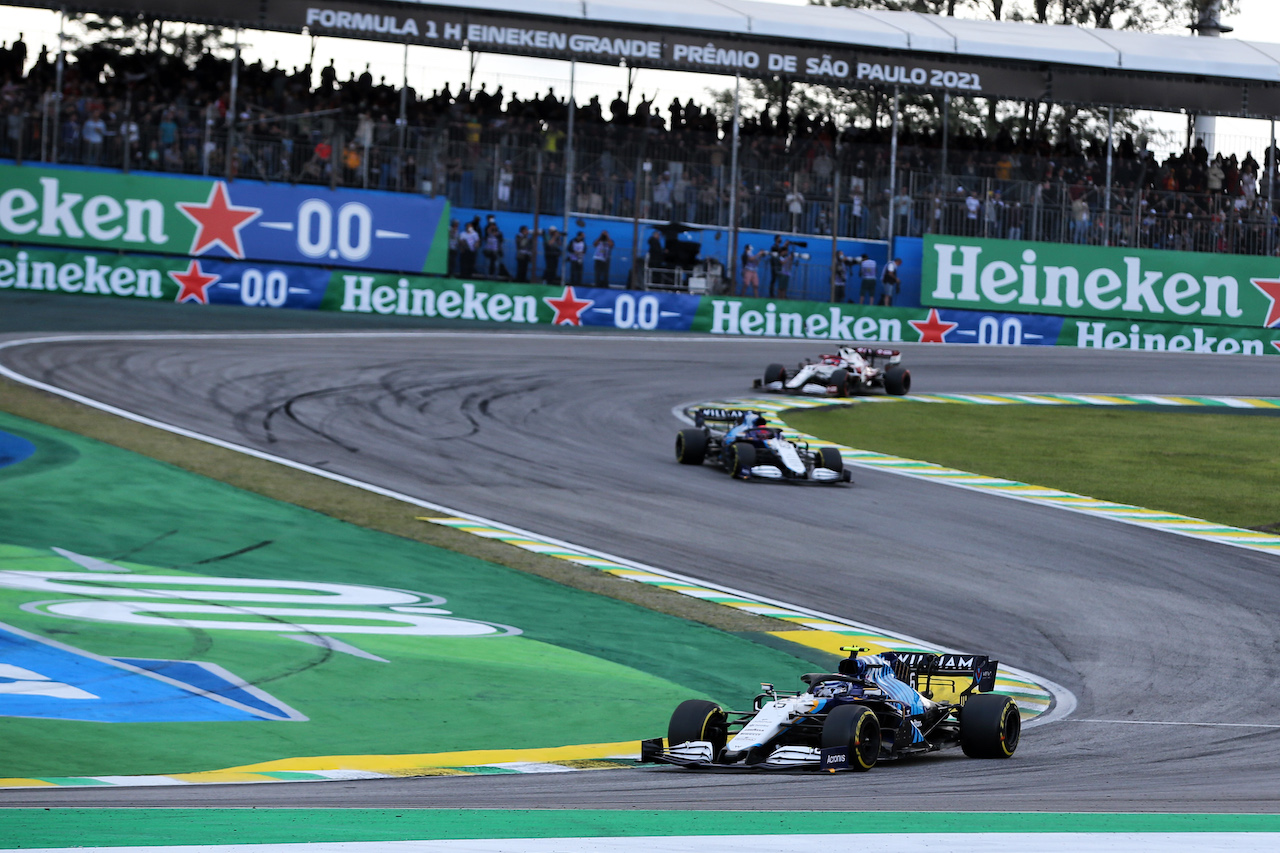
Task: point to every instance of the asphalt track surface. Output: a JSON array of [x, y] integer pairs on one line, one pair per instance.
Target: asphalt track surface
[[1170, 645]]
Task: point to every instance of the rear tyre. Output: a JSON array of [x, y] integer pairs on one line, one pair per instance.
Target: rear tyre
[[840, 379], [897, 380], [698, 719], [990, 726], [856, 727], [829, 457], [691, 446], [742, 458], [775, 373]]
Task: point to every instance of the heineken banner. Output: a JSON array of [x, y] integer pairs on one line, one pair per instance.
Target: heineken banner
[[207, 218], [1093, 281], [209, 281]]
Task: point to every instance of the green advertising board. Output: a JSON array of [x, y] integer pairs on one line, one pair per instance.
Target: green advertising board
[[1103, 282]]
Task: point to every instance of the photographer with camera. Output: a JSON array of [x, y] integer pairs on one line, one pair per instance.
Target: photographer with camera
[[775, 263]]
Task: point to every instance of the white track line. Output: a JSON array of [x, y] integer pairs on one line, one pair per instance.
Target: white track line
[[1064, 700]]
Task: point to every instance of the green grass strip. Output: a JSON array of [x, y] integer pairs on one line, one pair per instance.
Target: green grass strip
[[1223, 468], [118, 827]]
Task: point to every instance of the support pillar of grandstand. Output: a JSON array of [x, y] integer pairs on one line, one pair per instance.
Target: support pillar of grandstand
[[1271, 188], [537, 207], [403, 120], [733, 186], [231, 110], [568, 168], [1106, 192], [57, 91], [835, 222], [893, 170], [946, 128]]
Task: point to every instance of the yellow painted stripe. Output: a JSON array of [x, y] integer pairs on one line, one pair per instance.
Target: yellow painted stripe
[[27, 783], [467, 758]]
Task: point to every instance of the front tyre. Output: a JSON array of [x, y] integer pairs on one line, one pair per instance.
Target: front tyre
[[742, 458], [691, 446], [775, 373], [829, 457], [698, 719], [990, 726], [897, 380], [839, 379], [855, 727]]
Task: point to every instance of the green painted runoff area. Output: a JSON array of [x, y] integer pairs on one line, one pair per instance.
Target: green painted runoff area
[[585, 669], [1217, 465], [151, 827]]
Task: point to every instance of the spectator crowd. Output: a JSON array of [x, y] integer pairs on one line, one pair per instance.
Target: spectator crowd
[[798, 173]]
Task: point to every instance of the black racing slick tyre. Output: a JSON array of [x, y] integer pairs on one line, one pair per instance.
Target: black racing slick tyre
[[829, 457], [775, 373], [698, 719], [897, 380], [691, 446], [742, 458], [856, 727], [840, 379], [990, 726]]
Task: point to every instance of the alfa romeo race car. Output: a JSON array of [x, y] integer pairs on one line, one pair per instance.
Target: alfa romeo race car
[[743, 443], [850, 371], [877, 707]]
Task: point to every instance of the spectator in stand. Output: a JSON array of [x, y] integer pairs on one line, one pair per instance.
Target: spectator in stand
[[468, 244], [455, 244], [577, 257], [795, 206], [892, 283], [524, 253], [552, 246], [493, 247], [603, 249], [95, 131], [867, 271], [751, 270]]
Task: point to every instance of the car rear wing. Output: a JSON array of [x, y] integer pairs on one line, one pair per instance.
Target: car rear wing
[[880, 352], [926, 665], [729, 416]]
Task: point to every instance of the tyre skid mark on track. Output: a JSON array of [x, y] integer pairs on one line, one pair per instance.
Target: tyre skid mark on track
[[1054, 701], [1168, 522]]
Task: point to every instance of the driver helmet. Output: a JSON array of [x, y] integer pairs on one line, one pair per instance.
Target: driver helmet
[[829, 689], [755, 420]]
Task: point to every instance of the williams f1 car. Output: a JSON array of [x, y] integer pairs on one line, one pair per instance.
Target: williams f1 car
[[877, 707], [850, 371], [748, 448]]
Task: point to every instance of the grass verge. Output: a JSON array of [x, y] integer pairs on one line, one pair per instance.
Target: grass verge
[[1217, 466]]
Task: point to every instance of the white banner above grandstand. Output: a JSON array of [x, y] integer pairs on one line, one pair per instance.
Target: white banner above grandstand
[[835, 46]]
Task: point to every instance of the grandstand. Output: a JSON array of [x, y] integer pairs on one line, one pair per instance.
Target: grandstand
[[806, 176]]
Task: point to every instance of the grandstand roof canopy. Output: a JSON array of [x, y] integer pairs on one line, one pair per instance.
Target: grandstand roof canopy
[[839, 46]]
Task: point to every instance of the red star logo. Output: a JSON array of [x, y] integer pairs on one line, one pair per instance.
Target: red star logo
[[932, 330], [194, 282], [1271, 289], [568, 308], [218, 221]]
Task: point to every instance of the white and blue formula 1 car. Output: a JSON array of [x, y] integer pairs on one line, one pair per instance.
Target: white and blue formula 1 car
[[853, 370], [746, 446], [876, 708]]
